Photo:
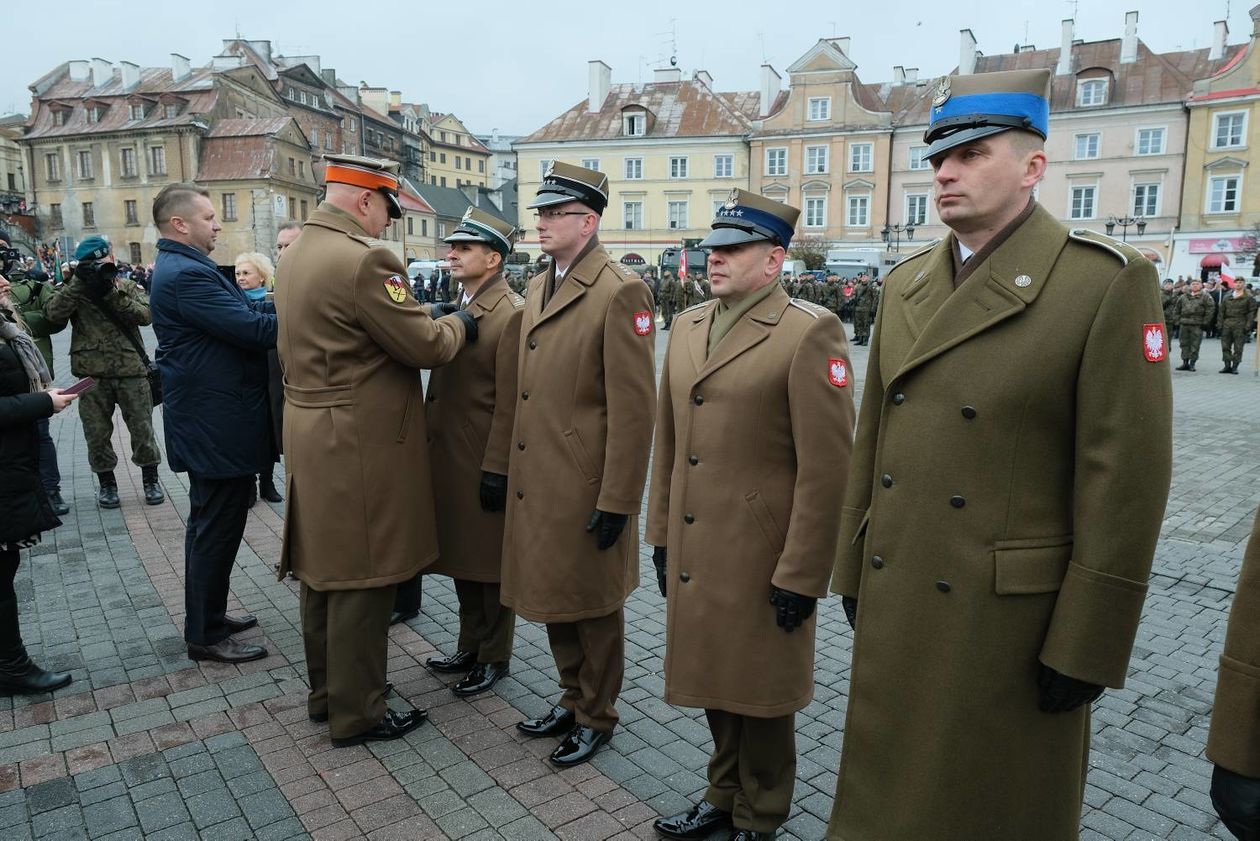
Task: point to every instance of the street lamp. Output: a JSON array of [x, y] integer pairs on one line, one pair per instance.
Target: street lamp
[[893, 232], [1124, 223]]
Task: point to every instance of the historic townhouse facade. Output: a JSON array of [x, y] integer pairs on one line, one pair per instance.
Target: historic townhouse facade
[[455, 156]]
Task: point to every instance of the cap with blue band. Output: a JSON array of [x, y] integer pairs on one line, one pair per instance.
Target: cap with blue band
[[968, 108], [749, 217]]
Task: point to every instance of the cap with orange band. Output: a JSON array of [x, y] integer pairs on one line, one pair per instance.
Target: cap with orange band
[[368, 173]]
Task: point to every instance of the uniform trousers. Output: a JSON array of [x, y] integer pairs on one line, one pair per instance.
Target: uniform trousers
[[1191, 338], [217, 509], [346, 636], [861, 324], [1232, 339], [407, 595], [96, 411], [590, 655], [486, 627], [752, 772]]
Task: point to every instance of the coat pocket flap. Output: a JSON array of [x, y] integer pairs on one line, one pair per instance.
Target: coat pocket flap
[[847, 518], [1024, 567]]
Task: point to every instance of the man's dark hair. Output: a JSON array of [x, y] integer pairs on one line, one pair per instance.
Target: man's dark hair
[[174, 200], [289, 226]]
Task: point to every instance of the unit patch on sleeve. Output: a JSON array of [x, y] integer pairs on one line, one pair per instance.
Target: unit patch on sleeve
[[1154, 345], [837, 372], [396, 288], [643, 323]]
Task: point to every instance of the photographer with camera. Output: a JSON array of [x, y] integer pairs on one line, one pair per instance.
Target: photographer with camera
[[105, 315]]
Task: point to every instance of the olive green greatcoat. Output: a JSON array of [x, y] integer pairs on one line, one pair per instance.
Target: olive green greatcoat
[[581, 441], [359, 507], [1009, 478], [1234, 740], [469, 410], [746, 491]]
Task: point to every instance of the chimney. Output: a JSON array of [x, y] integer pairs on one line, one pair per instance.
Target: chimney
[[1255, 21], [470, 191], [666, 75], [599, 80], [966, 53], [179, 67], [1064, 67], [102, 72], [1128, 47], [899, 75], [78, 71], [771, 81], [329, 76], [705, 78], [912, 75], [1220, 36], [841, 44], [130, 74], [395, 100], [226, 62], [263, 48]]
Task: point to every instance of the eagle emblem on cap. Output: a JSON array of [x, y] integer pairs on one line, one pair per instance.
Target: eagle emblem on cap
[[732, 200], [551, 168], [467, 214], [942, 93]]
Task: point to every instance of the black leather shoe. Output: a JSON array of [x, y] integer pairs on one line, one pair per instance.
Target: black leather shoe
[[236, 624], [579, 746], [58, 504], [320, 718], [267, 488], [460, 661], [559, 720], [697, 822], [227, 650], [402, 616], [482, 677], [393, 726], [750, 835]]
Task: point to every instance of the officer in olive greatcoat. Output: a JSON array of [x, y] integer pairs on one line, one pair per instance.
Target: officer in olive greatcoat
[[753, 434], [1009, 478]]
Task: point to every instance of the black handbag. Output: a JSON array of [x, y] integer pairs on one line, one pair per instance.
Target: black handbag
[[132, 334]]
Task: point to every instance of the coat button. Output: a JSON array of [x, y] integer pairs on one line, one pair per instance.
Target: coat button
[[899, 398], [969, 412], [693, 460], [886, 481], [520, 494], [520, 445], [957, 501], [943, 586], [532, 344], [684, 577], [877, 562], [699, 400], [689, 518], [524, 395]]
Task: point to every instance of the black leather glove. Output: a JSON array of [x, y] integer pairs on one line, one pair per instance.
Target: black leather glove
[[793, 608], [659, 561], [444, 309], [470, 325], [850, 610], [606, 527], [1062, 694], [493, 491], [1237, 800]]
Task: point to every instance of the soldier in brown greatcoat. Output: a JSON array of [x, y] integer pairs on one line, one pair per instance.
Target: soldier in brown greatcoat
[[580, 453], [753, 434], [469, 408], [360, 498]]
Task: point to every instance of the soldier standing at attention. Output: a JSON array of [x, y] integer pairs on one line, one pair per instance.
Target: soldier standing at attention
[[1194, 312], [352, 341], [469, 408], [1234, 318], [773, 438], [994, 566], [863, 308], [580, 452], [670, 297]]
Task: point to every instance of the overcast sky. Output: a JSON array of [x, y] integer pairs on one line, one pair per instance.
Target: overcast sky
[[515, 66]]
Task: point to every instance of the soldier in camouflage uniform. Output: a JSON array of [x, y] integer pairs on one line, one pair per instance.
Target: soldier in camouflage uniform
[[864, 299], [98, 349], [1234, 317], [1169, 296], [1194, 312], [693, 292], [670, 298]]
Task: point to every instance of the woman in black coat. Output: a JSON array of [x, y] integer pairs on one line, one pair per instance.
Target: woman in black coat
[[25, 398]]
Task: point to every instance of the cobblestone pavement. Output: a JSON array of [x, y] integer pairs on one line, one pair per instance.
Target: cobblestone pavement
[[147, 744]]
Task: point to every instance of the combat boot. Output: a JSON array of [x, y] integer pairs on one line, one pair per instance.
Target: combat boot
[[267, 488], [1227, 369], [1191, 366], [107, 496], [18, 675], [153, 494], [1233, 367], [1184, 366]]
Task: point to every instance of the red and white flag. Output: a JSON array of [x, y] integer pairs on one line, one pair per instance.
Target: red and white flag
[[682, 264]]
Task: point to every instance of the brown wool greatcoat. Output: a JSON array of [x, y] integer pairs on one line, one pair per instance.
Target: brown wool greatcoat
[[746, 492], [1009, 478], [359, 507], [469, 409], [1234, 740], [581, 441]]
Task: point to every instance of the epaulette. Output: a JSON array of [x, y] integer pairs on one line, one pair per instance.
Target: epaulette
[[924, 250], [368, 241], [1121, 250], [814, 310], [626, 272], [517, 300], [693, 307]]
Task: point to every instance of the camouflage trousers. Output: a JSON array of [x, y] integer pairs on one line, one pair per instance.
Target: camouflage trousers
[[861, 324], [1232, 344], [96, 410], [1191, 338]]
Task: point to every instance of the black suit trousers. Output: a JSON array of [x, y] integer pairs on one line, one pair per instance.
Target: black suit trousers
[[216, 523]]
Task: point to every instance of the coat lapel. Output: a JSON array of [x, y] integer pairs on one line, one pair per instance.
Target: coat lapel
[[990, 296], [488, 298], [929, 287], [580, 276], [698, 336], [747, 333]]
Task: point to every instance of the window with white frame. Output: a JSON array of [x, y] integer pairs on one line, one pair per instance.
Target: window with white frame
[[916, 208], [131, 212], [918, 158], [678, 166], [157, 160], [587, 163], [85, 163], [89, 215], [1229, 130], [543, 166], [1223, 193], [634, 125], [1091, 92], [859, 214], [815, 160], [776, 161], [634, 169], [815, 211], [677, 213], [1146, 199], [861, 157], [137, 110], [52, 166], [1083, 202], [718, 205], [819, 108], [127, 158], [1086, 146], [229, 207], [1150, 141], [632, 215], [723, 166]]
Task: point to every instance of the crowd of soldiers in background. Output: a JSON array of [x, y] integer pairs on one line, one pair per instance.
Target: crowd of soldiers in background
[[1195, 309]]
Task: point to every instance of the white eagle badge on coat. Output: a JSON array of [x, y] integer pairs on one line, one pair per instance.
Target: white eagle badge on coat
[[837, 372], [1153, 345], [643, 323]]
